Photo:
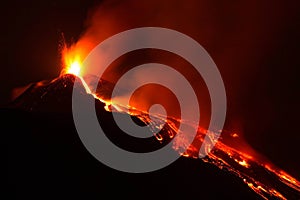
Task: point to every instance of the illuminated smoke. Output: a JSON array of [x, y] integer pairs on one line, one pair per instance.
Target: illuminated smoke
[[234, 34]]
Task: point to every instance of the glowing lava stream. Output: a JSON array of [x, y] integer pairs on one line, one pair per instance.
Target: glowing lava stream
[[262, 177]]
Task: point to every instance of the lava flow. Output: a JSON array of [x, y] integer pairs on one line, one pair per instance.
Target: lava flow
[[261, 176]]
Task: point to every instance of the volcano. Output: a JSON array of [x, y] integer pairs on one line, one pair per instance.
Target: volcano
[[46, 158]]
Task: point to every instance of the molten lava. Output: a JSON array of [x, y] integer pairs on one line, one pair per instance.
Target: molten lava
[[72, 60], [74, 68]]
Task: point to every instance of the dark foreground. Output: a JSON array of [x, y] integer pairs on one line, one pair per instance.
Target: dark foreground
[[46, 160]]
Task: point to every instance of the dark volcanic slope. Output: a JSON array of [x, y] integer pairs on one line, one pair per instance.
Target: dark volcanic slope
[[49, 96], [45, 158]]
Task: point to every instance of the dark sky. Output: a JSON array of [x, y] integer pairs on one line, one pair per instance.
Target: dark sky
[[31, 32], [267, 101]]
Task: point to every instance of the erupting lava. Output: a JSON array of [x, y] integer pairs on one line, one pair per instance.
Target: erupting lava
[[261, 176], [72, 60], [74, 68]]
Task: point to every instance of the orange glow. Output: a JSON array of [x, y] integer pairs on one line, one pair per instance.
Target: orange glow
[[73, 57], [72, 61], [234, 135], [222, 155], [288, 178], [74, 68], [244, 163]]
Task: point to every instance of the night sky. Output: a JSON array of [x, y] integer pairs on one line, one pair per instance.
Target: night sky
[[262, 86]]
